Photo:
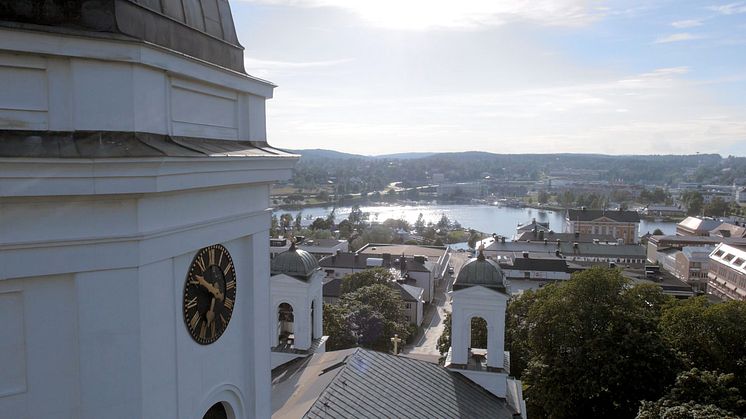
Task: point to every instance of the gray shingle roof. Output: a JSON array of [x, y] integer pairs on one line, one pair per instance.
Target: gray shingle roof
[[378, 385]]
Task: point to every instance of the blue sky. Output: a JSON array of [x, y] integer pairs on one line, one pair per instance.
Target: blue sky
[[518, 76]]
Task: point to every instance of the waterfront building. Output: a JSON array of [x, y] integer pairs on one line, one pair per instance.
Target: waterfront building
[[617, 223], [134, 173], [463, 189], [663, 211], [727, 272], [296, 306], [727, 230], [532, 227], [436, 258], [741, 196]]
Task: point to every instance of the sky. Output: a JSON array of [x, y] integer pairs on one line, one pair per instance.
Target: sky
[[514, 76]]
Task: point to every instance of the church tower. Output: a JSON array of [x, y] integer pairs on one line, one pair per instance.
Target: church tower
[[296, 307], [479, 300], [134, 196]]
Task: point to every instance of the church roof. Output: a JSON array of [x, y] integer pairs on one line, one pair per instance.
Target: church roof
[[200, 28], [295, 262], [368, 384], [480, 271]]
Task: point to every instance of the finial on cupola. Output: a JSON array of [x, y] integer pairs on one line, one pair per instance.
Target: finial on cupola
[[481, 252], [292, 243]]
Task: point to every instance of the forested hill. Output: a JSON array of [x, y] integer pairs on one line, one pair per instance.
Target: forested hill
[[317, 166]]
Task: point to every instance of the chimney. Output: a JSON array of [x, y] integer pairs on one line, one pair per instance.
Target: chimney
[[557, 253], [502, 239], [541, 235], [386, 259], [577, 234], [525, 254], [546, 242], [559, 242]]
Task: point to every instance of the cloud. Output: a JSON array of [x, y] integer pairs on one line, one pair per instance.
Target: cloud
[[730, 9], [678, 37], [284, 65], [690, 23], [463, 14], [658, 111]]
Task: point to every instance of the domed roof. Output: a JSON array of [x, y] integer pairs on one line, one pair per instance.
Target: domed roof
[[200, 28], [480, 271], [295, 262]]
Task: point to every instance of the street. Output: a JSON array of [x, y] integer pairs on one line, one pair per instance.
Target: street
[[426, 344]]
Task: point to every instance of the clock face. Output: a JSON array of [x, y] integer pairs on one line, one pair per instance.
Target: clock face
[[209, 294]]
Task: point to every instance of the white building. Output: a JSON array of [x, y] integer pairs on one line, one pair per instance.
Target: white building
[[134, 187], [296, 306], [727, 272]]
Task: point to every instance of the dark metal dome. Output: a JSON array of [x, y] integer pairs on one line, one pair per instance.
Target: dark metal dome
[[480, 271], [295, 262], [203, 29]]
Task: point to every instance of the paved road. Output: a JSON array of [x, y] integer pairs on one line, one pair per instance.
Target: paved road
[[426, 345]]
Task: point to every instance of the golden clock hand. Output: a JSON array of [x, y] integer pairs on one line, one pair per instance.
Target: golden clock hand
[[209, 287], [210, 315]]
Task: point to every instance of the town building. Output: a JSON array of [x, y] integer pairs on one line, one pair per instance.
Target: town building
[[536, 266], [296, 306], [412, 296], [416, 270], [584, 254], [134, 173], [617, 223], [552, 237], [463, 189], [741, 196], [727, 272], [689, 264], [317, 247], [696, 226], [532, 227], [437, 258], [661, 243], [728, 230]]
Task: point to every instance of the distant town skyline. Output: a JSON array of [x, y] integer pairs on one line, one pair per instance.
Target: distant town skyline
[[543, 76]]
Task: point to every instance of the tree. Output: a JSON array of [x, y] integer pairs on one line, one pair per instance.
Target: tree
[[708, 336], [365, 278], [336, 326], [419, 225], [717, 208], [444, 222], [657, 232], [273, 227], [474, 237], [697, 394], [543, 197], [593, 346], [693, 201], [297, 225], [320, 224], [286, 220], [370, 304]]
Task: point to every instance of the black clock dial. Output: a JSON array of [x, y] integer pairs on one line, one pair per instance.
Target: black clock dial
[[209, 294]]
